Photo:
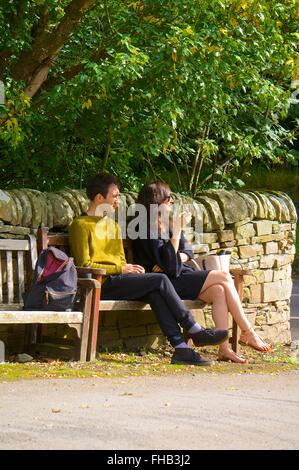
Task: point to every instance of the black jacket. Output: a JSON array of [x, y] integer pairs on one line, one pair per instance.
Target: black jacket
[[148, 252]]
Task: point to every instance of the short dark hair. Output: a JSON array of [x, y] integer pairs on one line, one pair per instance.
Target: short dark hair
[[99, 184]]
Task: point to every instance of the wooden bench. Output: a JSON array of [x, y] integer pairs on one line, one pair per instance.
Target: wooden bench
[[17, 262], [61, 241]]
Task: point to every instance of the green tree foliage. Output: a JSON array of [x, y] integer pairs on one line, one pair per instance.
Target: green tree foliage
[[192, 91]]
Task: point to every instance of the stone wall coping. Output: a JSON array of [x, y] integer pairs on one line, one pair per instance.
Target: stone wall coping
[[220, 208]]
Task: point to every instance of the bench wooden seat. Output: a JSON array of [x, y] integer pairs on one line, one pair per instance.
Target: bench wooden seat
[[17, 262], [61, 241], [107, 305], [44, 317]]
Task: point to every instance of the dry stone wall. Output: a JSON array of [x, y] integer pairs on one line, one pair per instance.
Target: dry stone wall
[[258, 228]]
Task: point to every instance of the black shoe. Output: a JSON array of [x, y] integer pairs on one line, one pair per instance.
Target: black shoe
[[207, 337], [188, 356]]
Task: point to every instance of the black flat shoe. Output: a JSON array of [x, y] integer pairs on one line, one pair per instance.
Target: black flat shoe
[[188, 356], [208, 337]]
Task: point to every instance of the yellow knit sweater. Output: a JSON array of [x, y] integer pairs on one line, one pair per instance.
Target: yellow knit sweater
[[96, 242]]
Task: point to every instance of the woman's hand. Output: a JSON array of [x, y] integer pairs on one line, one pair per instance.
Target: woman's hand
[[132, 268], [185, 218], [157, 269], [180, 221], [184, 257]]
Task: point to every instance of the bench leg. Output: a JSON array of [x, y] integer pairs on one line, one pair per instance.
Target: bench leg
[[83, 332], [235, 338], [94, 322], [238, 280], [30, 338]]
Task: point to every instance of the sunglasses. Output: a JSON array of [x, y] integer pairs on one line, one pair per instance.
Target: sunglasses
[[169, 198]]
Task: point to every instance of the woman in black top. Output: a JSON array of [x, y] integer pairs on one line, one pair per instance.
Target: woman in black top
[[165, 249]]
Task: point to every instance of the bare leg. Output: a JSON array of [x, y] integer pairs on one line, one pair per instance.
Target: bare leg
[[235, 307], [215, 295]]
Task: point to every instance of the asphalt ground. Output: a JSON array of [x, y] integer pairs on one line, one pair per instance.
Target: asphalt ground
[[231, 411], [206, 411]]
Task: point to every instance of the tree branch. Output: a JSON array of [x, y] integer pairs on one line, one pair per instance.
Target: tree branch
[[109, 142], [226, 162], [198, 160], [33, 66], [70, 73]]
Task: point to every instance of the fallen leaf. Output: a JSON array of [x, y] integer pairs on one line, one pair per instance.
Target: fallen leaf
[[56, 410]]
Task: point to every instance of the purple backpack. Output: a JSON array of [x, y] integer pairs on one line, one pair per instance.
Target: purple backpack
[[55, 282]]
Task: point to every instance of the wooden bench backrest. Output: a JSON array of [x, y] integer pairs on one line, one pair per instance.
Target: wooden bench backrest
[[61, 241], [17, 262]]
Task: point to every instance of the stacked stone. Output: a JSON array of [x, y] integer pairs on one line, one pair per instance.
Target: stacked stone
[[31, 208], [259, 229]]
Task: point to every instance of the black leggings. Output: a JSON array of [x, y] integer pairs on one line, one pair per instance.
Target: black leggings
[[157, 290]]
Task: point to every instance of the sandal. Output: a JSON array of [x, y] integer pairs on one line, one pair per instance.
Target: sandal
[[251, 338]]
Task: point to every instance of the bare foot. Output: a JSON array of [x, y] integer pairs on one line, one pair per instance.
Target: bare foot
[[251, 338], [230, 355]]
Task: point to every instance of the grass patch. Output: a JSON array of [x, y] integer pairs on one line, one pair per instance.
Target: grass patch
[[151, 364], [282, 355]]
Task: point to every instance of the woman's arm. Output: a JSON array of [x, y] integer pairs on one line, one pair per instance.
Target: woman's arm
[[185, 249], [175, 239], [164, 255], [181, 221]]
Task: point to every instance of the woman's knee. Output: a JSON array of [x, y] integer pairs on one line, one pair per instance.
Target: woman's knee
[[223, 277], [213, 293], [217, 291]]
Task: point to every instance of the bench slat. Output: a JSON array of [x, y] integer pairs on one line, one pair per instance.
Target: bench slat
[[14, 245], [58, 239], [106, 305], [21, 275], [8, 307], [33, 251], [9, 273], [23, 317]]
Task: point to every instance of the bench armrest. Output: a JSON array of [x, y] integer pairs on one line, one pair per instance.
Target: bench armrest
[[233, 271], [89, 283], [239, 272], [92, 271]]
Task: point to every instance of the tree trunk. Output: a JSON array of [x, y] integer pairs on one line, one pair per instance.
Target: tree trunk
[[33, 66], [108, 145], [198, 161]]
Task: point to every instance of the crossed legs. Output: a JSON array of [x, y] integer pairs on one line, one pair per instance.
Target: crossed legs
[[219, 290]]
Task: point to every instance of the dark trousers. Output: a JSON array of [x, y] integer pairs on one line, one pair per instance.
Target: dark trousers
[[157, 290]]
